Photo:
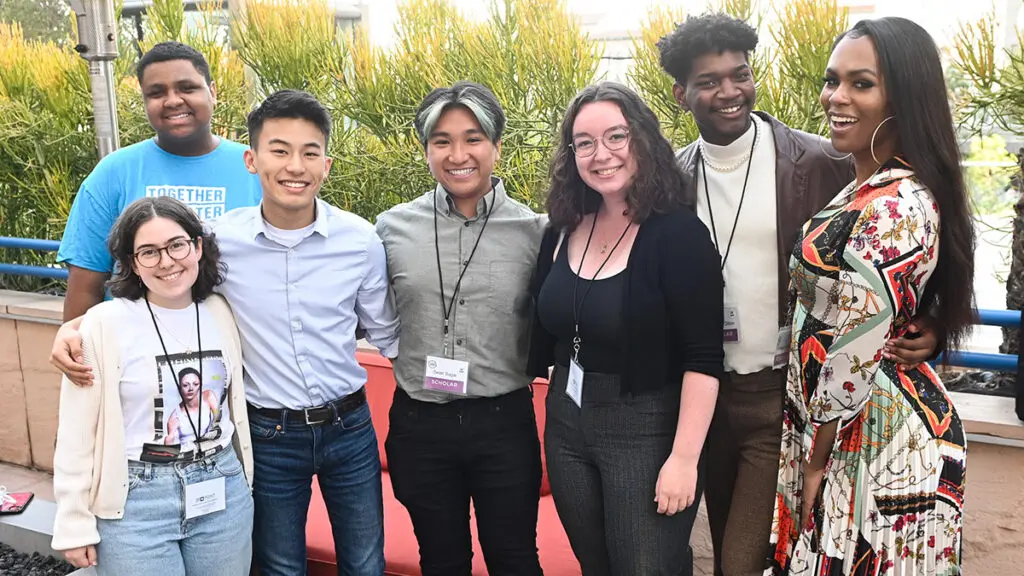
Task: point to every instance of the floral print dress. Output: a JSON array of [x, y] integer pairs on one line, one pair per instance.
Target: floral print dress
[[891, 499]]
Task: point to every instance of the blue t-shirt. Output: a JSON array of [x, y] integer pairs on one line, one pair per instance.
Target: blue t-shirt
[[211, 184]]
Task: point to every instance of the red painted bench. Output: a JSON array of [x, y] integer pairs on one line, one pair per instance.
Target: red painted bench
[[401, 552]]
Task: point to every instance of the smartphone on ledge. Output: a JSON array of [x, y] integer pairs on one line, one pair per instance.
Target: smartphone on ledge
[[15, 502]]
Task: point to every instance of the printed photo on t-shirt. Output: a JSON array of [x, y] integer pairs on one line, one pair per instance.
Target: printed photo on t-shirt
[[189, 403]]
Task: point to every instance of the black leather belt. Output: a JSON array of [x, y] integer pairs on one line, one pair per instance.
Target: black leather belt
[[158, 454], [317, 415]]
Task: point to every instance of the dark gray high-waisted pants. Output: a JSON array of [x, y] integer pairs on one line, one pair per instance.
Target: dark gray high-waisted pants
[[603, 463]]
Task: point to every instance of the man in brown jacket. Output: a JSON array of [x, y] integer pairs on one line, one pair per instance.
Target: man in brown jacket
[[754, 182]]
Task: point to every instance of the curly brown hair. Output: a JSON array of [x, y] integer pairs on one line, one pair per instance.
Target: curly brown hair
[[659, 184], [125, 282]]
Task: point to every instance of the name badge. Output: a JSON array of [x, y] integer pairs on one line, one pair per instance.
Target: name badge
[[446, 375], [782, 348], [574, 386], [204, 498], [731, 327]]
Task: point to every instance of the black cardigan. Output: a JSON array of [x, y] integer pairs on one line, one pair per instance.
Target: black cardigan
[[672, 304]]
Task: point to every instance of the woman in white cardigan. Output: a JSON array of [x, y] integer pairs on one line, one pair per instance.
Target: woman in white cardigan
[[129, 499]]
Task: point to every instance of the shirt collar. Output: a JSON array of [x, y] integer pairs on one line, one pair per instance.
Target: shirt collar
[[443, 201], [320, 222], [896, 168]]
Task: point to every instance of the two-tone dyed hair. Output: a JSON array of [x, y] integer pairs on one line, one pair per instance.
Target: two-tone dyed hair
[[477, 98]]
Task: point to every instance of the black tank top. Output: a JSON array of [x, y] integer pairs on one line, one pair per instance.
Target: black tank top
[[600, 317]]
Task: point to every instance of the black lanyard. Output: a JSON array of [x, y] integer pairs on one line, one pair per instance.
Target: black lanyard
[[578, 307], [446, 308], [743, 194], [199, 343]]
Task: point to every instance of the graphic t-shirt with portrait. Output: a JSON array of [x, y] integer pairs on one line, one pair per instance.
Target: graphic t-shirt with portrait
[[169, 398]]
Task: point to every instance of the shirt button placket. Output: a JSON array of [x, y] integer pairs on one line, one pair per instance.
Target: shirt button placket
[[291, 290], [467, 242]]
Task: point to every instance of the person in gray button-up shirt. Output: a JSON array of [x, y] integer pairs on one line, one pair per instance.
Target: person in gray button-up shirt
[[460, 259]]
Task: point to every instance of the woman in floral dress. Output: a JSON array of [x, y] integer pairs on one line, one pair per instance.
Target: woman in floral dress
[[871, 475]]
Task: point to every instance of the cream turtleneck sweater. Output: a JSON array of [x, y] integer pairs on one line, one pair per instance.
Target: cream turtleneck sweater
[[751, 276]]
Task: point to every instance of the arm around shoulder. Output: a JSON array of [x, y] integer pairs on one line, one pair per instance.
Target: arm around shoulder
[[85, 290]]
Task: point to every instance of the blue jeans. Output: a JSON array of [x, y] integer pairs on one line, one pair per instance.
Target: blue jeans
[[153, 537], [343, 455]]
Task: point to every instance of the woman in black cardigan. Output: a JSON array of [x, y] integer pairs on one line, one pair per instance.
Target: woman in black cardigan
[[628, 290]]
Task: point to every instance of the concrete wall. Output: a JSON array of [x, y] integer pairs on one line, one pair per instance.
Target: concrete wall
[[994, 531], [29, 386]]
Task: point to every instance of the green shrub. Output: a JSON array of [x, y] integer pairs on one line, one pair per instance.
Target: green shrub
[[788, 75], [531, 53]]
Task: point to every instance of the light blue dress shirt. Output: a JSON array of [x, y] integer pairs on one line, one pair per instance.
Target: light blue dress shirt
[[297, 308]]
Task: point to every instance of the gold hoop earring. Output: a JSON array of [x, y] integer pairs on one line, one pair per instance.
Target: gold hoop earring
[[823, 151], [875, 133]]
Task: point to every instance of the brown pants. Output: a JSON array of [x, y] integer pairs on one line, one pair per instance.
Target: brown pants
[[743, 468]]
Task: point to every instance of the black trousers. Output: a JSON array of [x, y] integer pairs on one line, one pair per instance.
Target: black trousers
[[441, 456]]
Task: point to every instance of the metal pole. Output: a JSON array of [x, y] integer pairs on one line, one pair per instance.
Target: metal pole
[[97, 44], [104, 106]]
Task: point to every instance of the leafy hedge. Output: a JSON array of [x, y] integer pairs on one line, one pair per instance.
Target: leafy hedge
[[532, 53]]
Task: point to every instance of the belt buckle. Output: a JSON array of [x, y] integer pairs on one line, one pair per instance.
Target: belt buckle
[[305, 416]]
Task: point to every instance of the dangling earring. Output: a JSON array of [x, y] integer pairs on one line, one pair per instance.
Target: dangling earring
[[873, 157], [823, 151]]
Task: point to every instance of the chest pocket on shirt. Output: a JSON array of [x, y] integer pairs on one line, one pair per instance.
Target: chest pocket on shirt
[[509, 284]]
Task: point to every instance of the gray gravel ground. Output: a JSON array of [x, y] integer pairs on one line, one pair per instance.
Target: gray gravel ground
[[13, 563]]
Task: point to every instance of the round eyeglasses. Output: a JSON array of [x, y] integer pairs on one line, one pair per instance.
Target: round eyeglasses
[[179, 249], [614, 139]]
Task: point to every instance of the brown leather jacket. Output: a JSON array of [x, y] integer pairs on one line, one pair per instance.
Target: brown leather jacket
[[805, 180]]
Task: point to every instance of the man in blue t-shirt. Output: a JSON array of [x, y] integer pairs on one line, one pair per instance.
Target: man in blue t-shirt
[[185, 160]]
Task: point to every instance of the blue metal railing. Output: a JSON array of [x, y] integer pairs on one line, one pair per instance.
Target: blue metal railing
[[984, 360], [25, 270], [977, 360]]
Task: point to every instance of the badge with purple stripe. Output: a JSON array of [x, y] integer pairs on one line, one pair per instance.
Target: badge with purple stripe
[[731, 329], [446, 375]]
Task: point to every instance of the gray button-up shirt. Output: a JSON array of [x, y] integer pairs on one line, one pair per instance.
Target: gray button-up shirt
[[489, 326]]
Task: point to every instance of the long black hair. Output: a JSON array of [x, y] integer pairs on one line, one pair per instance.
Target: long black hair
[[916, 90], [658, 186]]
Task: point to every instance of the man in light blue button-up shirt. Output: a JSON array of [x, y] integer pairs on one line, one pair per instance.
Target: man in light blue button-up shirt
[[298, 304], [302, 275]]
